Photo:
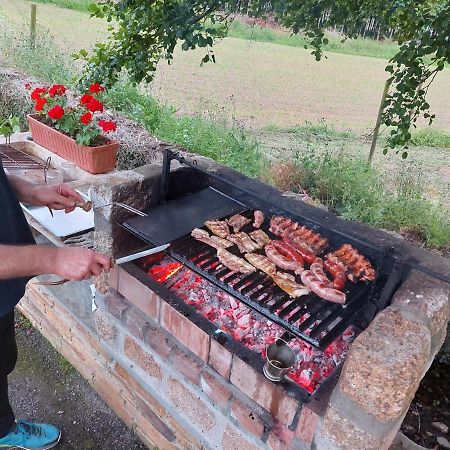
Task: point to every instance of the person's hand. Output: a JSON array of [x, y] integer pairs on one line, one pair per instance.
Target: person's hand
[[56, 196], [79, 263]]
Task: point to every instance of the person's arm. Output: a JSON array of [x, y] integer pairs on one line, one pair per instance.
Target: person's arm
[[69, 262], [56, 196]]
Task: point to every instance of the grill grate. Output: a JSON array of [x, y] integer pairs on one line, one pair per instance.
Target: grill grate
[[15, 159], [315, 320]]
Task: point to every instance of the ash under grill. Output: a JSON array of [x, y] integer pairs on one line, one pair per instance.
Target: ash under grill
[[316, 321], [15, 159]]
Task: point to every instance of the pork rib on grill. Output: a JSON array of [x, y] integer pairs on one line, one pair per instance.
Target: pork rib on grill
[[243, 241], [287, 229], [356, 265], [233, 262], [259, 219], [212, 241], [237, 222], [288, 284], [260, 237], [262, 263], [218, 227]]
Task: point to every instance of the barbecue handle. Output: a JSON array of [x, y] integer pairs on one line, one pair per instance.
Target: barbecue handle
[[138, 255]]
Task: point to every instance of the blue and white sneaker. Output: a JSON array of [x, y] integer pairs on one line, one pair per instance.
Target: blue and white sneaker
[[31, 436]]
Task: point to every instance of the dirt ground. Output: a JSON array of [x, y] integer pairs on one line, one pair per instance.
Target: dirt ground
[[46, 388]]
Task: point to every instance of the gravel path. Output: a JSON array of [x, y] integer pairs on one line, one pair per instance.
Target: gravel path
[[46, 388]]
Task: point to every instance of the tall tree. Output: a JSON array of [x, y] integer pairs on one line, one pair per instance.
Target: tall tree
[[145, 32]]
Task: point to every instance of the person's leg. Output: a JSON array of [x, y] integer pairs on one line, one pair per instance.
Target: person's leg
[[8, 358]]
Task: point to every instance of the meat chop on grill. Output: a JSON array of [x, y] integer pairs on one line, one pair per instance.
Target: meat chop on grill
[[262, 263], [237, 222], [243, 241], [212, 241], [260, 237], [356, 265], [287, 283], [218, 227], [259, 219], [233, 262]]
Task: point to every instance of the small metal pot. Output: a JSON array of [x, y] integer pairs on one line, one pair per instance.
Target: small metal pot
[[280, 358]]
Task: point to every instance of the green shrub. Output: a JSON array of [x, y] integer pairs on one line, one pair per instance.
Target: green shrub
[[359, 192], [430, 137]]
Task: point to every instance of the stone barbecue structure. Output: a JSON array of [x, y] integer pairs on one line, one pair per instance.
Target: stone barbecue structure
[[157, 358]]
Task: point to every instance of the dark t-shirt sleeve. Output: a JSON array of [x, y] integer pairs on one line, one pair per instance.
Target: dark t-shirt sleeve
[[14, 230]]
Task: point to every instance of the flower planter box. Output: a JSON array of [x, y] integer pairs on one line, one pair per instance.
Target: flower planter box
[[95, 160]]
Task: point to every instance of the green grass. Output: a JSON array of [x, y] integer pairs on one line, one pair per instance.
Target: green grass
[[309, 131], [356, 191], [361, 46], [430, 137], [211, 138], [76, 5]]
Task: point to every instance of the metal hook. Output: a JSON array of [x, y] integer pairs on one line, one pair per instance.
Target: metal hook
[[47, 167]]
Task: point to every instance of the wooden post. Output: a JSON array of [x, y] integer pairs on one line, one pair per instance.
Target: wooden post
[[377, 125], [33, 27]]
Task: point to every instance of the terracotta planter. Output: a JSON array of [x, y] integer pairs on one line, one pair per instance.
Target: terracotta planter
[[95, 160]]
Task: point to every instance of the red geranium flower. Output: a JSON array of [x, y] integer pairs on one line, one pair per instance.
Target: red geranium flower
[[37, 93], [107, 125], [85, 99], [40, 103], [95, 105], [95, 88], [56, 113], [86, 118], [57, 89]]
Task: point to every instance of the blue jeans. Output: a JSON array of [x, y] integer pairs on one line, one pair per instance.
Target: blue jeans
[[8, 359]]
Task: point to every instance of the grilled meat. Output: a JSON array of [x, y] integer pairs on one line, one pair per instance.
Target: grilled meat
[[262, 263], [259, 219], [279, 225], [321, 289], [260, 237], [281, 260], [356, 265], [337, 272], [237, 222], [291, 231], [212, 241], [243, 241], [233, 262], [288, 284], [218, 227], [305, 251], [317, 270]]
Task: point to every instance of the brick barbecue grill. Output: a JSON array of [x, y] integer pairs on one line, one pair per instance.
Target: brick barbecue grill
[[307, 319], [196, 333]]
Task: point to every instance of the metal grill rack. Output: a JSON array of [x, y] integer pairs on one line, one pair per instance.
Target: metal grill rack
[[15, 159], [322, 321]]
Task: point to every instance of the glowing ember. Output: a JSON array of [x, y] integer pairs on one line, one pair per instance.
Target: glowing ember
[[163, 273], [249, 327]]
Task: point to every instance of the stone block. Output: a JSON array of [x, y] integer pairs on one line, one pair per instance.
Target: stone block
[[185, 331], [117, 306], [136, 322], [158, 341], [427, 298], [139, 295], [104, 326], [233, 439], [248, 418], [186, 364], [265, 393], [307, 425], [218, 391], [220, 359], [385, 365], [191, 405], [142, 358], [346, 435]]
